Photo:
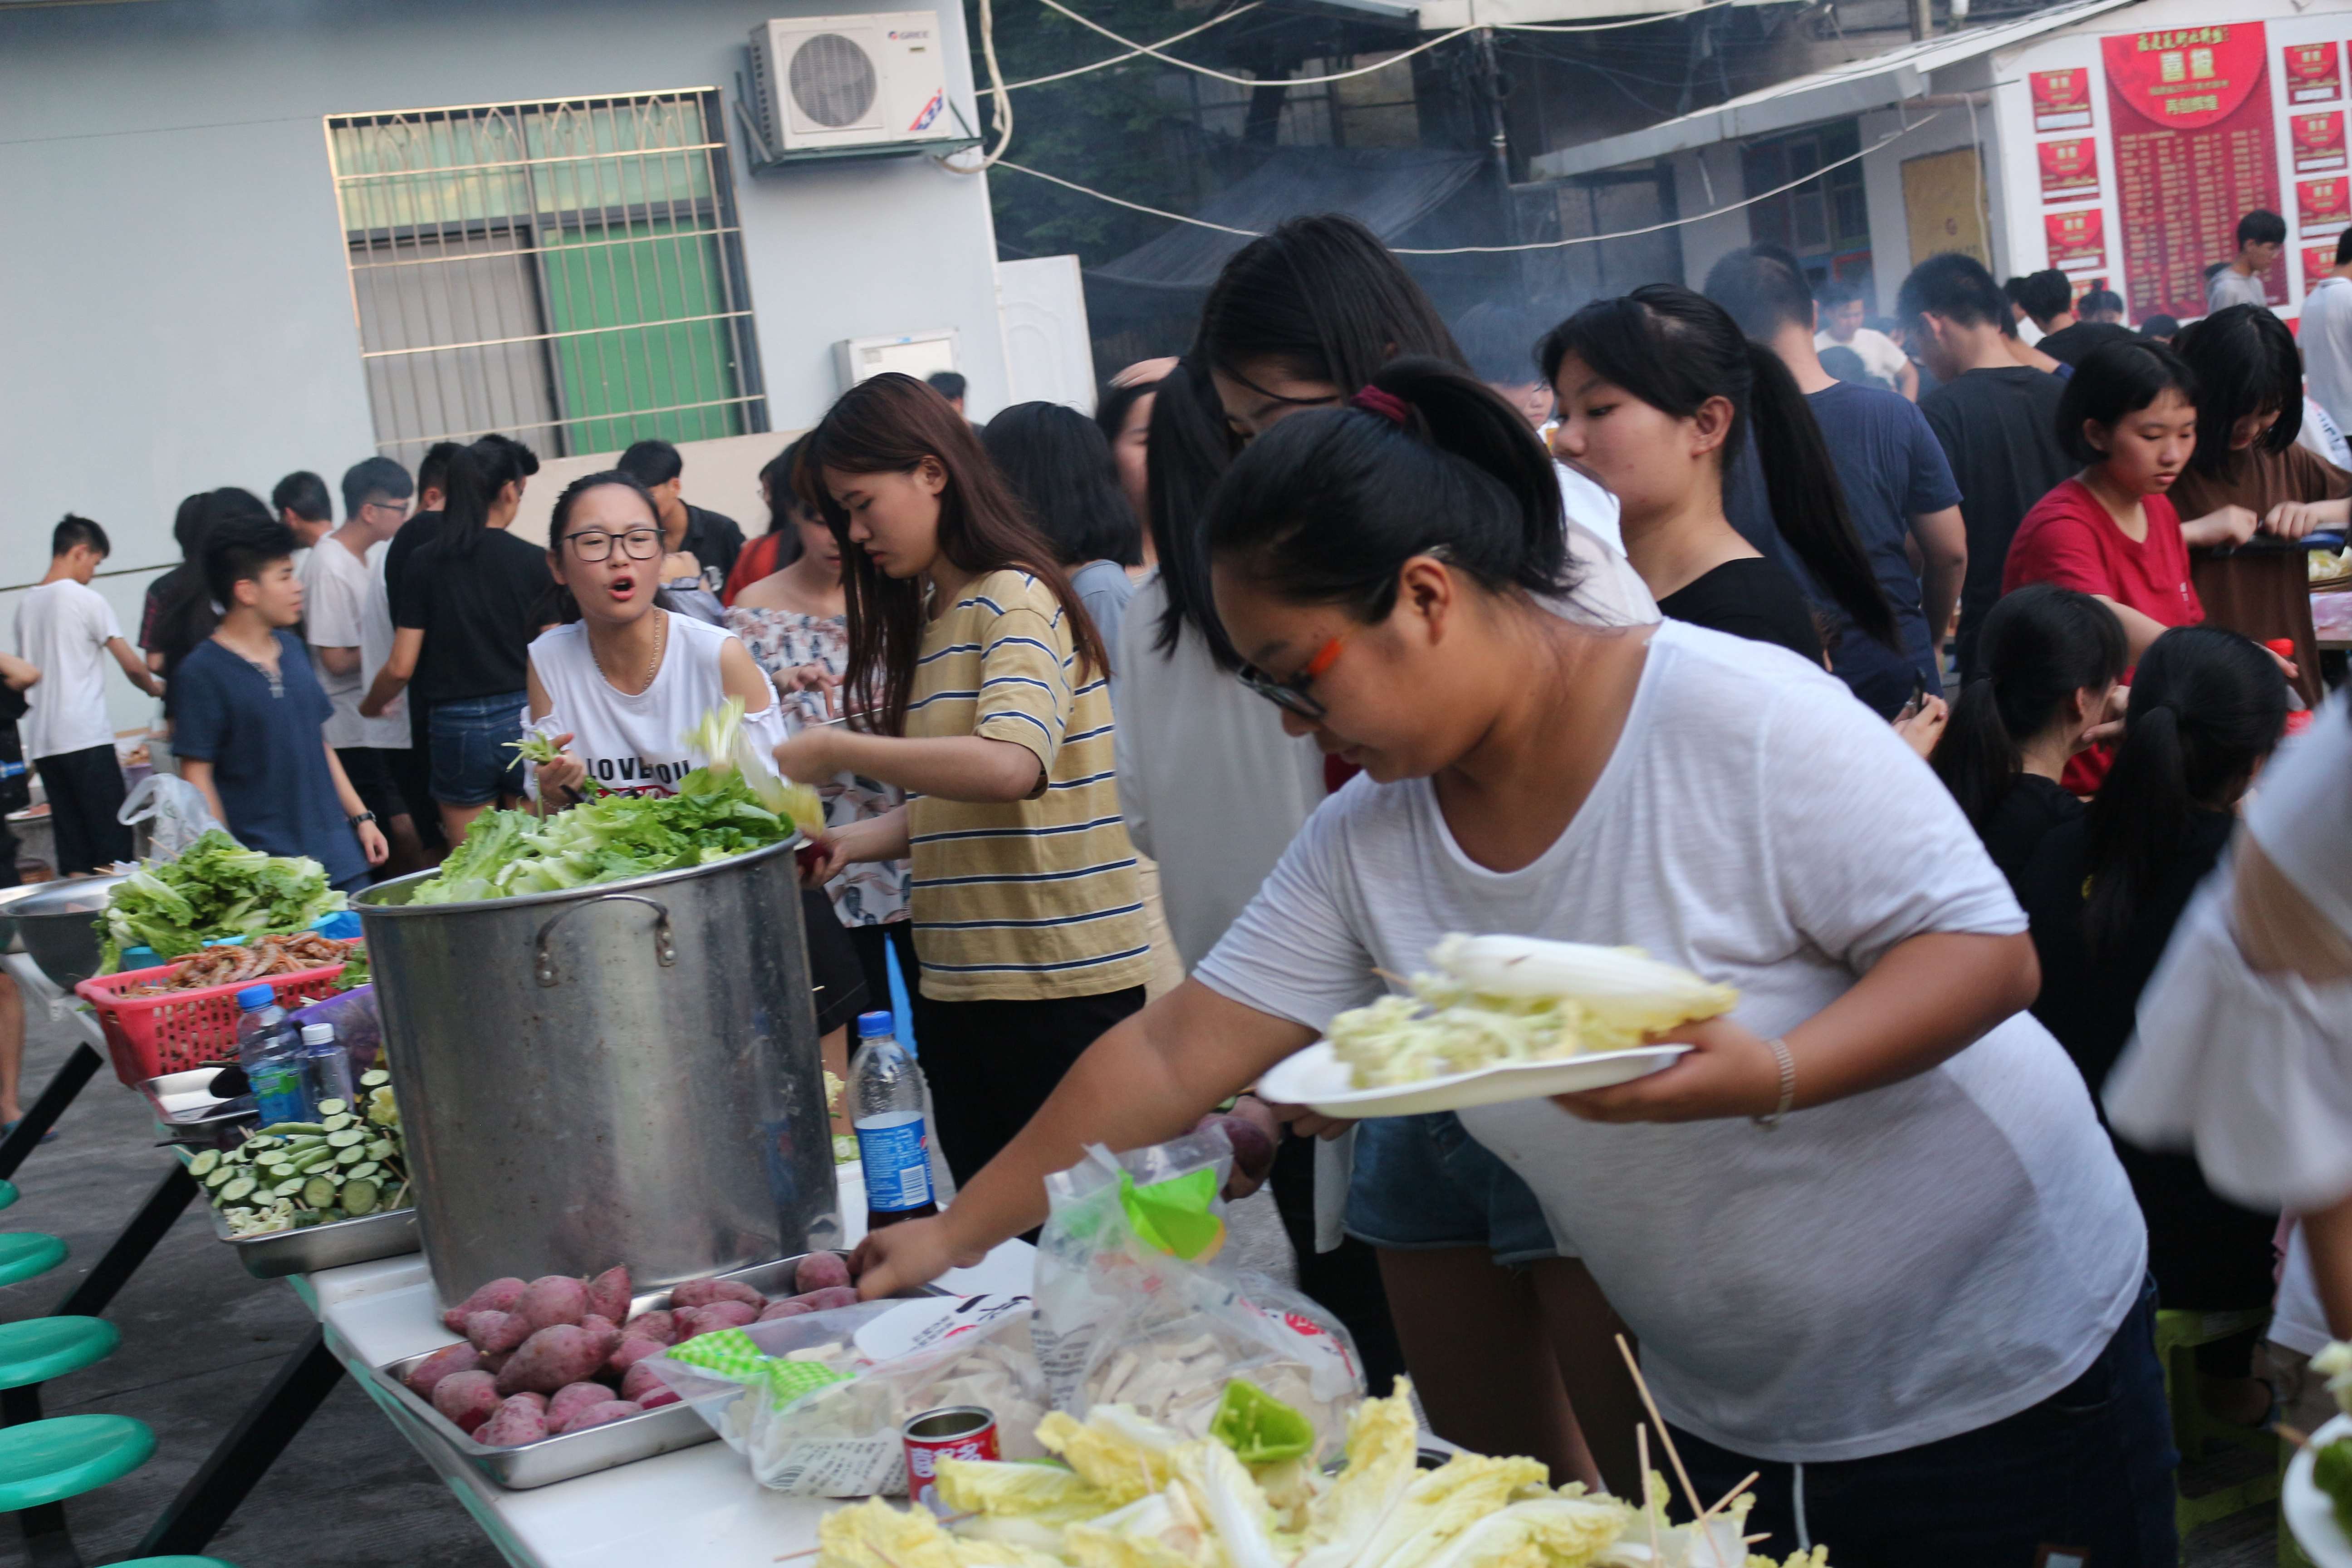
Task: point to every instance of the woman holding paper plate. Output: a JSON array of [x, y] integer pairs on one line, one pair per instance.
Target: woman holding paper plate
[[1867, 1230]]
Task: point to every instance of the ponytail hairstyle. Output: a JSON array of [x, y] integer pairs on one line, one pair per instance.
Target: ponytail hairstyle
[[2245, 363], [1327, 506], [2040, 645], [1188, 449], [2207, 706], [476, 476], [567, 608], [1322, 299], [889, 424], [1674, 349]]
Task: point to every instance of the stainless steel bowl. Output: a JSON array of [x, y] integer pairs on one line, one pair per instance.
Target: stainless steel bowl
[[56, 923]]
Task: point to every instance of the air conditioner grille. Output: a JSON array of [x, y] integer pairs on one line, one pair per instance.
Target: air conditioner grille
[[832, 80]]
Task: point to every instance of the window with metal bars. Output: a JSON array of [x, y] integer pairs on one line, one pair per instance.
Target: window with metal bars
[[568, 272]]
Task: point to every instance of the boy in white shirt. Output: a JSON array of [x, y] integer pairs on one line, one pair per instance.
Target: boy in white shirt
[[347, 621], [62, 628], [1841, 319]]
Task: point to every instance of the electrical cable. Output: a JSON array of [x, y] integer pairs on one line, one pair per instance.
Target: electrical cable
[[1498, 249], [1135, 54], [1153, 51]]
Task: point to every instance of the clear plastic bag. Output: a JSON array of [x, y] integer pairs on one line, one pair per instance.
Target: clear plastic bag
[[175, 808], [1135, 1308], [901, 1358]]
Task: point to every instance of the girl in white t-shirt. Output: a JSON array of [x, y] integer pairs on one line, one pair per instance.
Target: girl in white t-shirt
[[1868, 1232]]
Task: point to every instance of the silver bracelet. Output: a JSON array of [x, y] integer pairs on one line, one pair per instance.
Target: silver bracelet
[[1788, 1083]]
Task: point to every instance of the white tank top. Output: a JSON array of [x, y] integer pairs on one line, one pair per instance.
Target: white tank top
[[631, 746]]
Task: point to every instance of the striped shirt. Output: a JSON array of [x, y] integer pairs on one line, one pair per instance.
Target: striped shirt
[[1028, 899]]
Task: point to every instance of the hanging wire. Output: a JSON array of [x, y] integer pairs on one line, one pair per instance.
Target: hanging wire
[[1153, 51], [1135, 54]]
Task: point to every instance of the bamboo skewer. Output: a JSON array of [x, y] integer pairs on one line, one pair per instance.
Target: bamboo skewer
[[1642, 1386]]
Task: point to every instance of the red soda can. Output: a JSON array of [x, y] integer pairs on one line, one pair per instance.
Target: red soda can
[[954, 1432]]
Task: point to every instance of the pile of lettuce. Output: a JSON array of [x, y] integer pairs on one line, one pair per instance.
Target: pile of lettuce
[[218, 887], [726, 808]]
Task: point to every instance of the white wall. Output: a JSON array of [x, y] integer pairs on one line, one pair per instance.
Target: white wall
[[1882, 184], [1703, 187], [178, 316]]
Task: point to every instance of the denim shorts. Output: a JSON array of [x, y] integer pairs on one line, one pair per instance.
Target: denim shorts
[[473, 759], [1422, 1183]]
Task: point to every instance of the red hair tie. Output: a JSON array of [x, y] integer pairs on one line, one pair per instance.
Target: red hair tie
[[1387, 405]]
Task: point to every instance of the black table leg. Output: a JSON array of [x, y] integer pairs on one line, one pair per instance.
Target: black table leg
[[304, 1381], [131, 1248], [20, 1405], [47, 1542], [64, 1084]]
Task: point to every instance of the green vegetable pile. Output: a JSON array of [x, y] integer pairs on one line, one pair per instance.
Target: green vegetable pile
[[2331, 1472], [719, 810], [217, 887], [348, 1164]]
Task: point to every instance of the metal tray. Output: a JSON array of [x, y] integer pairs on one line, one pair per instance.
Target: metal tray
[[570, 1454], [306, 1249], [184, 1101]]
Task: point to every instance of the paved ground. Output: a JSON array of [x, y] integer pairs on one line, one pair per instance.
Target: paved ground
[[199, 1336]]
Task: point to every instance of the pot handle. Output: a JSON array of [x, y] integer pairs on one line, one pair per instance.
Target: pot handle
[[664, 948]]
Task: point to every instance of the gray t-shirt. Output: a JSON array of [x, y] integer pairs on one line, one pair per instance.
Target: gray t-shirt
[[1874, 1274], [2230, 287], [1104, 588]]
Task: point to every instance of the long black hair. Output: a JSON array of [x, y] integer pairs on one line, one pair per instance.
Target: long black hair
[[784, 504], [2120, 378], [2245, 363], [2040, 645], [1674, 349], [1327, 506], [1187, 451], [1116, 403], [2207, 706], [477, 475], [567, 607], [1060, 467]]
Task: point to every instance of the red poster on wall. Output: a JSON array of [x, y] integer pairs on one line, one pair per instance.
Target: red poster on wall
[[2062, 99], [2195, 146], [2323, 206], [2313, 72], [2318, 139], [2070, 169], [2318, 261], [2077, 240]]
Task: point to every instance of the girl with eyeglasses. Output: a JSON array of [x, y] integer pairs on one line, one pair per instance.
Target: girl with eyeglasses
[[1867, 1232], [977, 685]]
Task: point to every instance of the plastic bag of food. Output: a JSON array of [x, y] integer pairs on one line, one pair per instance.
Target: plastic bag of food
[[816, 1401], [357, 1026], [1135, 1306], [175, 807]]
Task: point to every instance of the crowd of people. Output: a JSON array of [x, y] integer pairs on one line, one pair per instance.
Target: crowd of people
[[1921, 681]]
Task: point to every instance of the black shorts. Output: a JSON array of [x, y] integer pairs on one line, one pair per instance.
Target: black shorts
[[370, 771], [833, 969]]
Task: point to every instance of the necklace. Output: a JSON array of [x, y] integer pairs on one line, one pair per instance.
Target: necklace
[[653, 665]]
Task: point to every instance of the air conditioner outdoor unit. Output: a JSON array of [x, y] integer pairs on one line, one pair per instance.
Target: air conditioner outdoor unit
[[824, 83]]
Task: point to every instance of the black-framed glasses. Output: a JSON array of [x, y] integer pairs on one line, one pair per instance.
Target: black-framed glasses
[[595, 544], [1290, 693]]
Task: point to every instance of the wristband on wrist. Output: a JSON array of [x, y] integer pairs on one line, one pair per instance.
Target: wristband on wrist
[[362, 817], [1787, 1065]]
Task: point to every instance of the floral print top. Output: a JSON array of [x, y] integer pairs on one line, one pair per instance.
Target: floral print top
[[874, 892]]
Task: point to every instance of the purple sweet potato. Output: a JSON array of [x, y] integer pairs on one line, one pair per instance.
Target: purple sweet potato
[[608, 1293], [570, 1400], [655, 1325], [497, 1295], [496, 1362], [654, 1398], [786, 1309], [693, 1321], [607, 1333], [519, 1420], [553, 1298], [597, 1414], [494, 1331], [635, 1348], [467, 1398], [703, 1292], [819, 1270], [832, 1296], [459, 1357], [555, 1355], [641, 1383]]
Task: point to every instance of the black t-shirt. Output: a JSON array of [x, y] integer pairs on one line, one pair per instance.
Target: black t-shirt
[[478, 616], [714, 540], [1750, 597], [2072, 345], [2207, 1254], [2000, 430], [2025, 815], [414, 534]]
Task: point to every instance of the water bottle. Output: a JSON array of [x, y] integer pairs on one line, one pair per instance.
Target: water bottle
[[271, 1056], [886, 1099], [326, 1066]]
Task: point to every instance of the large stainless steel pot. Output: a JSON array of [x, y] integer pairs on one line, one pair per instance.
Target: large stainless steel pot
[[625, 1073], [56, 923]]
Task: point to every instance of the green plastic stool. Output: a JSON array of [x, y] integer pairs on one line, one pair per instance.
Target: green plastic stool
[[49, 1461], [176, 1563], [39, 1348], [2177, 1335], [26, 1254], [7, 1194]]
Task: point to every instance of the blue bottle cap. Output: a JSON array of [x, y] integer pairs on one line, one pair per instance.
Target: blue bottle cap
[[872, 1023], [255, 997]]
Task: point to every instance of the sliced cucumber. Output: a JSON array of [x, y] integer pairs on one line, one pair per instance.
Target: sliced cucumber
[[334, 1107], [346, 1138], [241, 1187], [287, 1188], [382, 1149], [360, 1196], [219, 1176], [289, 1128], [319, 1192], [375, 1078], [338, 1122], [349, 1156], [203, 1164], [366, 1171]]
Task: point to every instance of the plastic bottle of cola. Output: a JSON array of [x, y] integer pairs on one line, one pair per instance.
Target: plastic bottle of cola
[[887, 1097]]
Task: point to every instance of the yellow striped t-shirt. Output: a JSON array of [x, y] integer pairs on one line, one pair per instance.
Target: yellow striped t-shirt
[[1034, 898]]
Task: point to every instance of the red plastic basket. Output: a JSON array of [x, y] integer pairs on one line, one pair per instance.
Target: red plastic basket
[[150, 1036]]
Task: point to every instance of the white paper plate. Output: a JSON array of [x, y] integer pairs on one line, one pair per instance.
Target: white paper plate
[[2309, 1513], [1316, 1080]]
